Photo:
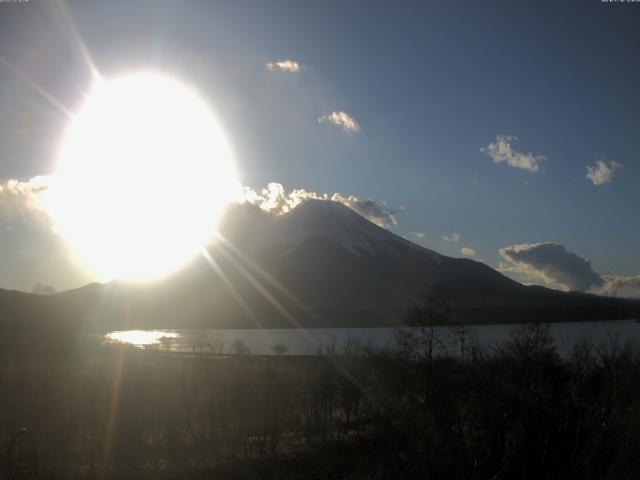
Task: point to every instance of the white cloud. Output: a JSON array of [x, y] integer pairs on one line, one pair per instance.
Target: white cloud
[[289, 66], [467, 252], [620, 286], [508, 267], [501, 151], [552, 263], [23, 201], [26, 202], [601, 172], [38, 252], [418, 235], [274, 199], [454, 237], [342, 119]]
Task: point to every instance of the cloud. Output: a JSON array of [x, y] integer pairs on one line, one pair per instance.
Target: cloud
[[454, 237], [33, 249], [601, 172], [467, 252], [552, 263], [377, 212], [342, 119], [289, 66], [23, 201], [501, 151], [620, 286], [418, 235], [274, 199]]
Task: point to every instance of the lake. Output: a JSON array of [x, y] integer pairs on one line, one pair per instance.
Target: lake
[[312, 341]]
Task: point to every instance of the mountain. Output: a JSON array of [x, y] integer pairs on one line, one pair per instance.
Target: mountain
[[38, 325], [321, 265]]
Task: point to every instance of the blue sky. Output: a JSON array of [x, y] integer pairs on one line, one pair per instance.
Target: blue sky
[[429, 83]]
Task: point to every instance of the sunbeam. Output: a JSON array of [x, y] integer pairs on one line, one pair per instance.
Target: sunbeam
[[60, 108], [216, 268], [257, 268]]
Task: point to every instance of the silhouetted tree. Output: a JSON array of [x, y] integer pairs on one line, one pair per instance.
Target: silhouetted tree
[[166, 342], [427, 328], [218, 343], [424, 320], [279, 349], [40, 289], [240, 347], [198, 340]]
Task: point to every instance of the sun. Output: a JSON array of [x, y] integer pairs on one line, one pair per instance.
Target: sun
[[142, 176]]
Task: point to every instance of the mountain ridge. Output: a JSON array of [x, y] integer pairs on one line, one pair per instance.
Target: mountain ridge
[[322, 265]]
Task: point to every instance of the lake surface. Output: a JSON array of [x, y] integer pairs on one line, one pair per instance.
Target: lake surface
[[313, 341]]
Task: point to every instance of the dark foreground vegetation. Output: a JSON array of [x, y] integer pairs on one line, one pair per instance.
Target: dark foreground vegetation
[[516, 411]]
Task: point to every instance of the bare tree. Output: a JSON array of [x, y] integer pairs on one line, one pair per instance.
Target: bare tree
[[240, 347], [198, 340], [279, 349], [423, 334], [329, 349], [166, 342], [218, 343], [356, 347]]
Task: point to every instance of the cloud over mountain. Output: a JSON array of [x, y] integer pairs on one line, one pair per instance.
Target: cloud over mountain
[[502, 151], [552, 263], [274, 199]]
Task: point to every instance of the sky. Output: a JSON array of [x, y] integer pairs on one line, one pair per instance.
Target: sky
[[500, 131]]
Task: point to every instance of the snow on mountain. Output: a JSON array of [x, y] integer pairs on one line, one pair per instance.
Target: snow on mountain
[[337, 222]]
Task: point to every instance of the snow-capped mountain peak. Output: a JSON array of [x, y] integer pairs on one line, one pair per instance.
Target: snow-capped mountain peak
[[337, 222]]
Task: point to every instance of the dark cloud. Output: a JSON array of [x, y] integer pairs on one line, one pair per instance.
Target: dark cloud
[[553, 263]]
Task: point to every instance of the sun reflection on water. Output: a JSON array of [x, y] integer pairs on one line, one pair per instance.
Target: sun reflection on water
[[140, 338]]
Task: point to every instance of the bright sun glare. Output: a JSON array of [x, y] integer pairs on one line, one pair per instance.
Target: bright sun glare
[[143, 174]]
